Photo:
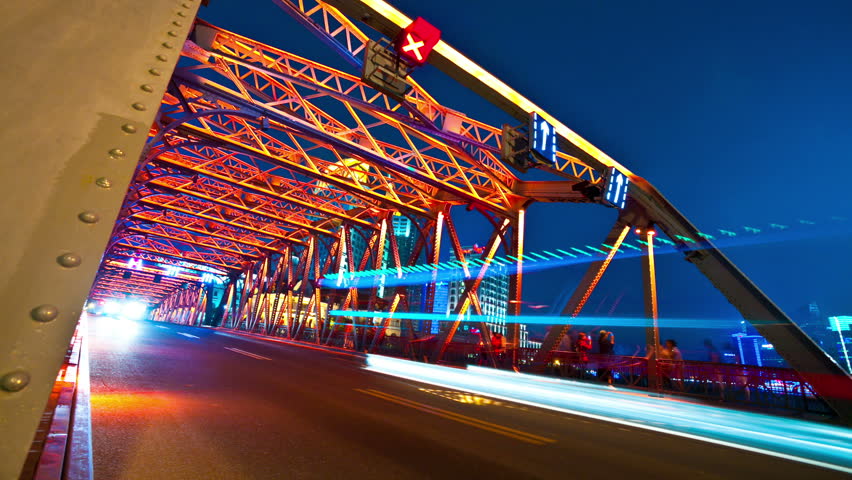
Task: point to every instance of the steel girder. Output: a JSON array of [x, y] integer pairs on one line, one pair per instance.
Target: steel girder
[[646, 206], [74, 183]]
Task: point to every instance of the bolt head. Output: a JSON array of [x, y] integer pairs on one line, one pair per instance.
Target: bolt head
[[44, 313], [177, 23], [103, 182], [181, 14], [172, 33], [155, 72], [15, 381], [88, 217], [146, 88], [167, 45], [139, 106], [116, 153], [162, 58], [128, 128], [69, 260]]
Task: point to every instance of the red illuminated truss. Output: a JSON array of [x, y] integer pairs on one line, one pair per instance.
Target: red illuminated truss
[[266, 171]]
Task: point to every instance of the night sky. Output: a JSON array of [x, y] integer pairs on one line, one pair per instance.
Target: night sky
[[738, 112]]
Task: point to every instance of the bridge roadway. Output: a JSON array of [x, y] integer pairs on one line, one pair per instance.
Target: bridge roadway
[[174, 402]]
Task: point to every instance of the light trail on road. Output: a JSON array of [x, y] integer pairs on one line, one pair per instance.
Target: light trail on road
[[816, 444]]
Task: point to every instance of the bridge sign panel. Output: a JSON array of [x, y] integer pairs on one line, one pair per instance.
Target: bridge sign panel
[[543, 145], [615, 190], [415, 42]]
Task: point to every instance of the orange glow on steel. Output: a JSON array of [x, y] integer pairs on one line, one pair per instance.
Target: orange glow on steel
[[466, 64], [601, 270], [652, 274]]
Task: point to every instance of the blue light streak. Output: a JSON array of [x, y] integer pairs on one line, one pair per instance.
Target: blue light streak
[[547, 319], [816, 444], [455, 269]]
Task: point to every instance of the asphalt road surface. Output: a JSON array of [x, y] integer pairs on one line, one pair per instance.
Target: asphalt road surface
[[174, 402]]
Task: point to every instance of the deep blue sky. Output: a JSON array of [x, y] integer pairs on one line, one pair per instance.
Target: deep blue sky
[[739, 112]]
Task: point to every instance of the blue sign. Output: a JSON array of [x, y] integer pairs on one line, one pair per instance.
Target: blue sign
[[543, 139], [615, 193]]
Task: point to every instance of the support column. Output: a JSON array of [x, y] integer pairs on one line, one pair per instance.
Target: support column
[[513, 329], [581, 295], [426, 325], [652, 332], [469, 297]]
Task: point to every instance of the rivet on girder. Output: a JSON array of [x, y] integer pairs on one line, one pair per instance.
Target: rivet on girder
[[184, 5], [173, 33], [69, 260], [162, 58], [116, 152], [167, 45], [181, 14], [155, 72], [103, 182], [177, 23], [146, 88], [139, 106], [128, 128], [88, 217], [15, 381], [44, 313]]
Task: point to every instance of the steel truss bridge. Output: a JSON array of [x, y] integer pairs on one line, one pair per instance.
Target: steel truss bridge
[[263, 168]]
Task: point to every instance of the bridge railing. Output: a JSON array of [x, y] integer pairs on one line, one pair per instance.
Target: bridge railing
[[746, 385], [768, 387]]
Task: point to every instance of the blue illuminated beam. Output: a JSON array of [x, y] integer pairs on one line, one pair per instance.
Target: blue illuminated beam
[[454, 269], [551, 319]]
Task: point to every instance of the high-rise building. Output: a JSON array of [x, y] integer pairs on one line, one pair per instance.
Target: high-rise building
[[493, 293], [841, 326], [756, 350], [404, 233], [814, 324]]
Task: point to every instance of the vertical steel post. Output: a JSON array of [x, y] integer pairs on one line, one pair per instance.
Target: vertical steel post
[[426, 325], [516, 286], [470, 293], [581, 294], [652, 332]]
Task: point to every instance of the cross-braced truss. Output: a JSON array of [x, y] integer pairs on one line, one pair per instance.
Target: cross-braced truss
[[273, 171]]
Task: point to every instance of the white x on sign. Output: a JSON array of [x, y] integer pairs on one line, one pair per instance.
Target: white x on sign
[[413, 46]]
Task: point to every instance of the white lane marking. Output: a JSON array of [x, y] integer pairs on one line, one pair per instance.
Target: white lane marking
[[186, 335], [160, 326], [248, 354]]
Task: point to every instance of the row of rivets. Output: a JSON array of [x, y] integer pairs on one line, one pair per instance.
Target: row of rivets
[[18, 380]]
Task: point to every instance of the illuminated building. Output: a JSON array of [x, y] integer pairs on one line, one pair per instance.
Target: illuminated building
[[842, 324], [756, 350], [404, 232], [493, 298]]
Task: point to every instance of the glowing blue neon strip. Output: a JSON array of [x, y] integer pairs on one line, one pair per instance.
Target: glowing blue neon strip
[[539, 256], [610, 247], [664, 247], [550, 319]]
